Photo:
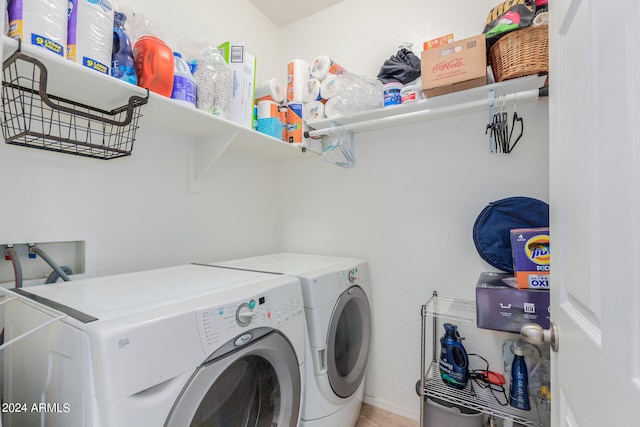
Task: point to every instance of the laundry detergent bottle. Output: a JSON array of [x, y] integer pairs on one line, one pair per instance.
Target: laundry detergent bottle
[[123, 66], [454, 361], [519, 388]]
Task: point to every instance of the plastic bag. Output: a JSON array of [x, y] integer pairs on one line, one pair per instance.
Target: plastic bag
[[403, 67], [354, 94], [508, 16], [138, 24]]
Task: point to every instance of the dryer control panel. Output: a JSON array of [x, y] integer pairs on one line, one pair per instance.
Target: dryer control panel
[[271, 308], [357, 275]]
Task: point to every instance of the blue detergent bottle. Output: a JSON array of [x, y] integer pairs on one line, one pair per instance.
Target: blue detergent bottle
[[454, 361], [122, 64], [519, 388]]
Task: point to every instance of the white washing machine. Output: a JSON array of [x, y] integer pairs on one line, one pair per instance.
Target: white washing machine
[[336, 294], [183, 346]]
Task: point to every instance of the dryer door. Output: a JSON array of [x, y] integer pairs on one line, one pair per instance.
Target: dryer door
[[257, 385], [348, 341]]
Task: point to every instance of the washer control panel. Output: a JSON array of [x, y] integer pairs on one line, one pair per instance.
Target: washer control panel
[[272, 308]]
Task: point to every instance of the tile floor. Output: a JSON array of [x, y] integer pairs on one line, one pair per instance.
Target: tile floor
[[370, 416]]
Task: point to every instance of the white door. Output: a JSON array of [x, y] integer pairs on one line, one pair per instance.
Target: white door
[[595, 215]]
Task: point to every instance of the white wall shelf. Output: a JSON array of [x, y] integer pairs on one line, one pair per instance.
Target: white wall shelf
[[521, 90], [213, 134]]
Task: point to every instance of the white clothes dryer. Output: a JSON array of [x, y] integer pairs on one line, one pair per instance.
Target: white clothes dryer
[[336, 294], [183, 346]]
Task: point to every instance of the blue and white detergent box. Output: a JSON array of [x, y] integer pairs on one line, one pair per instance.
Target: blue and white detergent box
[[501, 306], [531, 257]]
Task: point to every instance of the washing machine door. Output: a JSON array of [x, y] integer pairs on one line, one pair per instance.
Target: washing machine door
[[256, 385], [348, 341]]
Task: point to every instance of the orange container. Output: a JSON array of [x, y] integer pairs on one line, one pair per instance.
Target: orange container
[[154, 65]]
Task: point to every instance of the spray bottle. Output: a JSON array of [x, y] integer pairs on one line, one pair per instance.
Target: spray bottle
[[519, 390], [454, 361]]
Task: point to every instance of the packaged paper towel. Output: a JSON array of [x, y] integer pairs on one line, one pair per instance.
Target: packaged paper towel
[[90, 34], [39, 22]]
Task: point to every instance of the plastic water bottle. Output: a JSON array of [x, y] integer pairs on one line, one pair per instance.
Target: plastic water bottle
[[122, 65], [184, 84]]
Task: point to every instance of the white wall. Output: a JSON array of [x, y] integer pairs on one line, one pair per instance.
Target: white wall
[[409, 205], [216, 21], [138, 210], [361, 34]]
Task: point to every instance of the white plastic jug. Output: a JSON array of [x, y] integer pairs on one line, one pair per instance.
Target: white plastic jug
[[184, 84]]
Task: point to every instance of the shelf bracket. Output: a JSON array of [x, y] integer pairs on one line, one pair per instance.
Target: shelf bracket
[[204, 154]]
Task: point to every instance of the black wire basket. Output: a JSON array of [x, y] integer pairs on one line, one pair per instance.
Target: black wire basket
[[33, 118]]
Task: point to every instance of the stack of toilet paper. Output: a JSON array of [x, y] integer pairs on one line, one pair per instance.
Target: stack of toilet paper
[[310, 87], [90, 34], [313, 91], [40, 23]]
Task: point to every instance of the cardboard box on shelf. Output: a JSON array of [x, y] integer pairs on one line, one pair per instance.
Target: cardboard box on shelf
[[243, 78], [454, 66], [437, 42], [501, 306], [531, 257]]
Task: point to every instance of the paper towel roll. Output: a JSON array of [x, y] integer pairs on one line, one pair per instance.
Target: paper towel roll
[[40, 22], [311, 91], [322, 66], [270, 90], [268, 109], [329, 87], [332, 107], [90, 34], [297, 77], [313, 110]]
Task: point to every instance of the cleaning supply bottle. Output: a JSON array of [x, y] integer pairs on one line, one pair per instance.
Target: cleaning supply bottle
[[184, 84], [519, 389], [122, 65], [154, 64], [454, 361]]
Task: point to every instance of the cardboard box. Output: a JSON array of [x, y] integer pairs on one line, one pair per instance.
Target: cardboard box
[[531, 257], [502, 307], [243, 78], [454, 66], [433, 43]]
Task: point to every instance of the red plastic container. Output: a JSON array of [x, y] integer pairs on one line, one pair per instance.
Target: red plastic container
[[154, 65]]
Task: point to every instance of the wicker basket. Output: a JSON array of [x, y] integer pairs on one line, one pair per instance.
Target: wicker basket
[[521, 53]]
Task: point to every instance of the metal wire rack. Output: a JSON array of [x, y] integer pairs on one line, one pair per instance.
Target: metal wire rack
[[482, 400], [31, 117], [476, 398]]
